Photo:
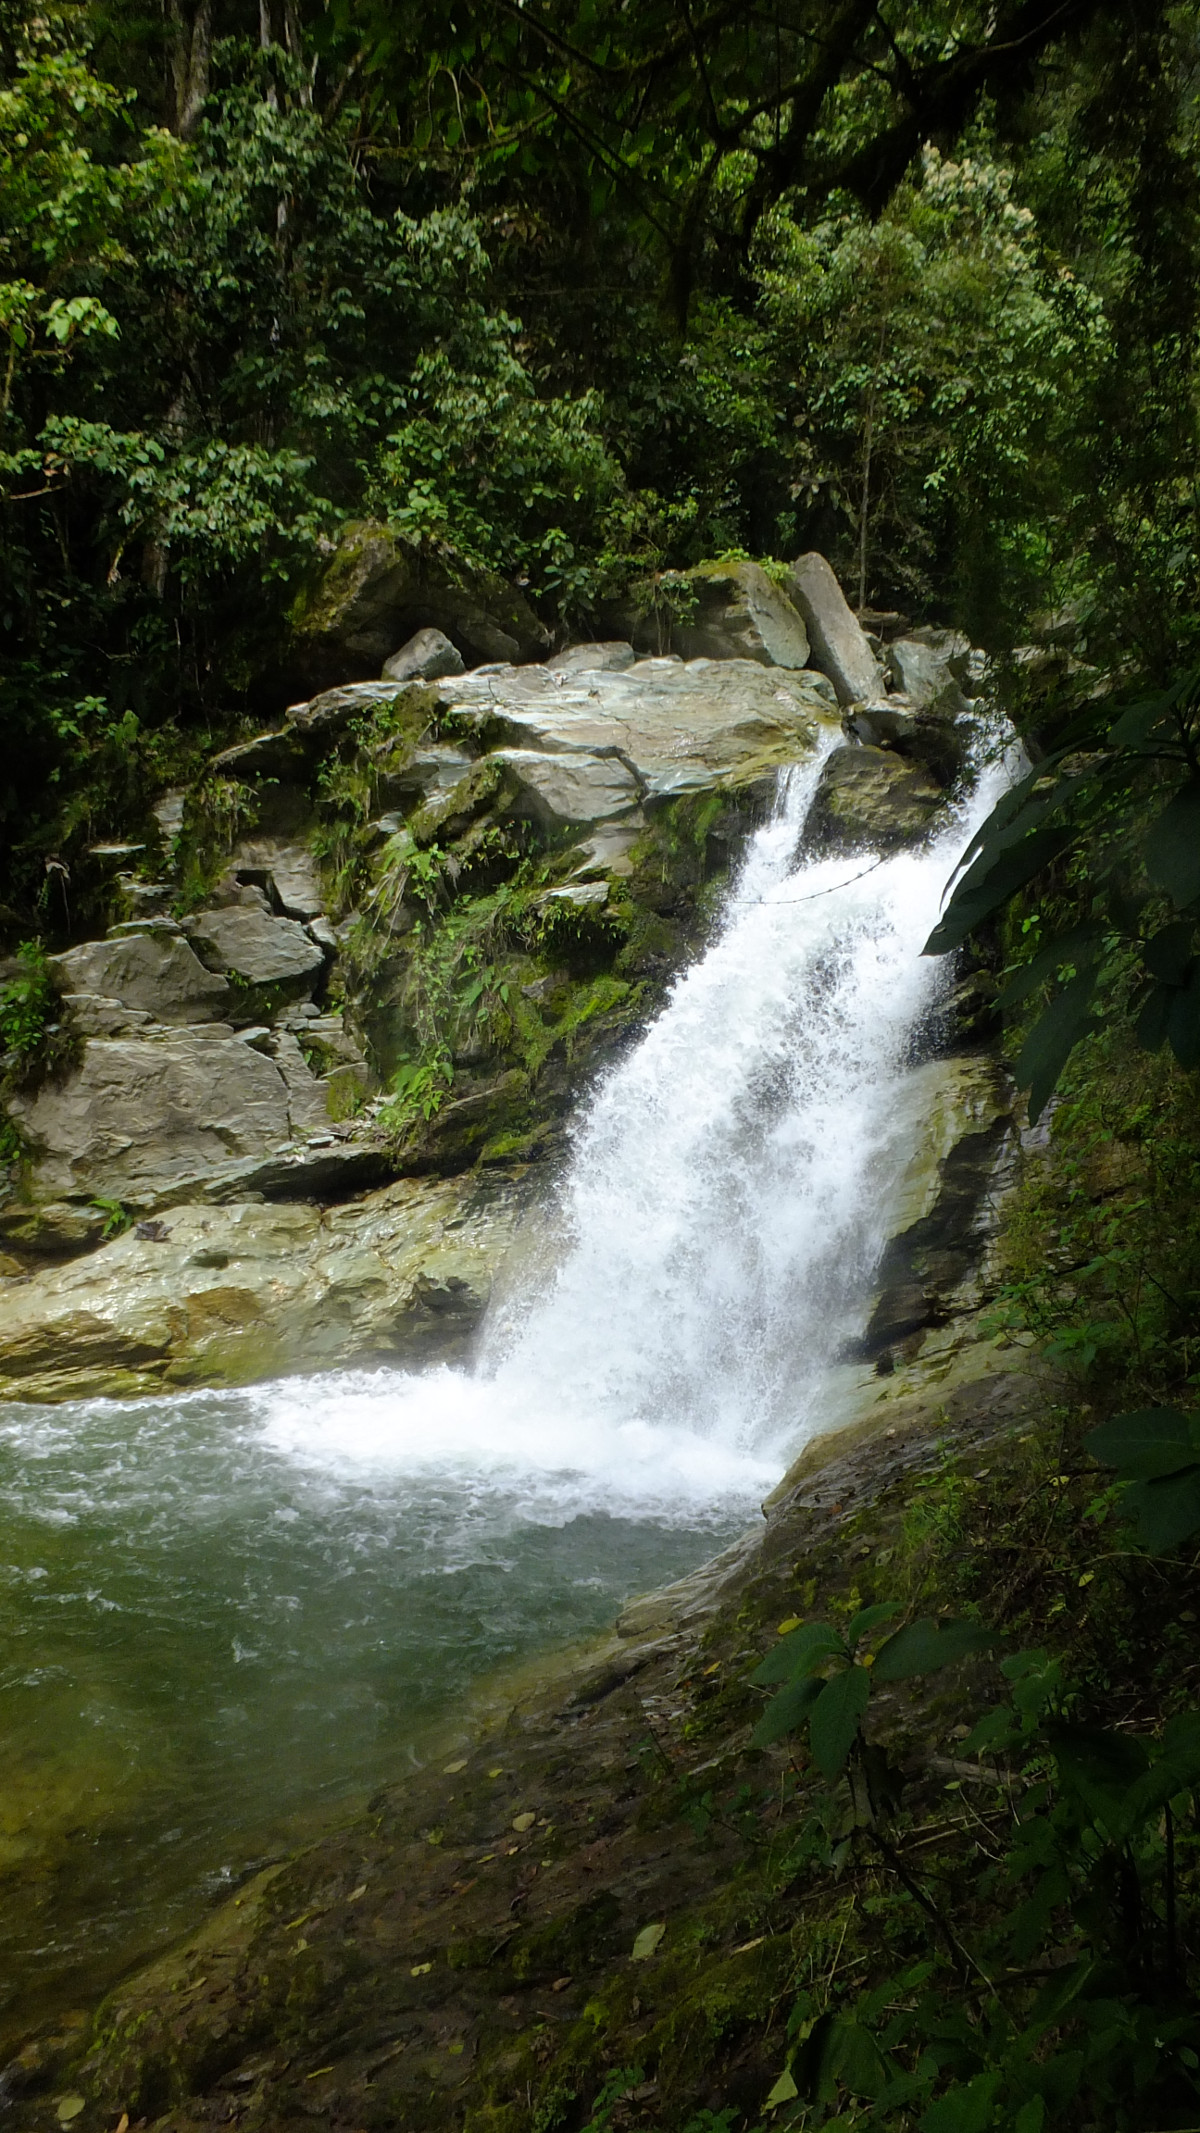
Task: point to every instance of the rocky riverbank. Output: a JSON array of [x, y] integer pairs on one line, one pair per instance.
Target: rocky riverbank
[[359, 973]]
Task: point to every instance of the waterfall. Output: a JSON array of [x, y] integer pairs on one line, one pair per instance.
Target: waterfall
[[726, 1200], [226, 1611]]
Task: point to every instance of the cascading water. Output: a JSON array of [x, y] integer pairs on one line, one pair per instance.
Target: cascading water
[[224, 1611]]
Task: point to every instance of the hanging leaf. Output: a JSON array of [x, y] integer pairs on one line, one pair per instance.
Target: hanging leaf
[[786, 1712], [922, 1647], [833, 1725], [798, 1653], [1183, 1023], [1172, 846], [1147, 1445], [1169, 953], [1167, 1512], [1053, 1038], [964, 2109], [869, 1618], [990, 883], [1154, 1020]]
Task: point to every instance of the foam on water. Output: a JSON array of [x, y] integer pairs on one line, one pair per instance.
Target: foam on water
[[727, 1199], [222, 1612]]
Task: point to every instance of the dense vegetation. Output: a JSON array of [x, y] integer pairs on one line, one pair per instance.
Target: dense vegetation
[[580, 297], [581, 294]]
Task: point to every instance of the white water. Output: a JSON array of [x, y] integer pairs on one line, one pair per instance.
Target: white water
[[724, 1207], [223, 1611]]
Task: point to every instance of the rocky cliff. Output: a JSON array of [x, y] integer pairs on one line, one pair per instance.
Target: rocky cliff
[[357, 975]]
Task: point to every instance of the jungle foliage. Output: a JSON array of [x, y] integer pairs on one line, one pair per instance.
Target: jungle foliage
[[577, 293]]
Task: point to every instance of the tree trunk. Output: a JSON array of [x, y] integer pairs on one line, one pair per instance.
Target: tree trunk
[[191, 59]]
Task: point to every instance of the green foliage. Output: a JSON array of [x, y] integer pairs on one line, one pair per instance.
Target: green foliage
[[28, 1012], [117, 1218], [1095, 811]]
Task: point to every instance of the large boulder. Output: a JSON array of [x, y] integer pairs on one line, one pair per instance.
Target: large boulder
[[741, 614], [221, 1295], [560, 791], [376, 590], [263, 954], [427, 656], [155, 972], [682, 727], [928, 674], [869, 799], [137, 1115], [610, 656], [839, 645]]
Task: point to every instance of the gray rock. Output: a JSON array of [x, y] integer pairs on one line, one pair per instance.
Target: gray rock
[[58, 1229], [869, 799], [307, 1107], [741, 614], [228, 1294], [920, 739], [376, 590], [167, 811], [610, 657], [278, 754], [427, 656], [558, 791], [152, 970], [139, 1115], [839, 645], [950, 645], [333, 709], [91, 1015], [258, 949], [683, 726], [287, 870], [926, 677]]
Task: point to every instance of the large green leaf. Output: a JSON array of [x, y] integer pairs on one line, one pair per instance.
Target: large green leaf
[[1100, 1769], [869, 1618], [1183, 1023], [852, 2056], [786, 1712], [989, 884], [922, 1647], [1053, 1038], [1172, 846], [1168, 954], [833, 1723], [798, 1653], [1167, 1511], [1148, 1444], [964, 2109]]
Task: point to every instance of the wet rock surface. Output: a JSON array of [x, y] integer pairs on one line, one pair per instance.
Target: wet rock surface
[[225, 1294], [560, 1891], [871, 799]]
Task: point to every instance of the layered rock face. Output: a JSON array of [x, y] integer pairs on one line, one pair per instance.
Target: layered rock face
[[395, 935]]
